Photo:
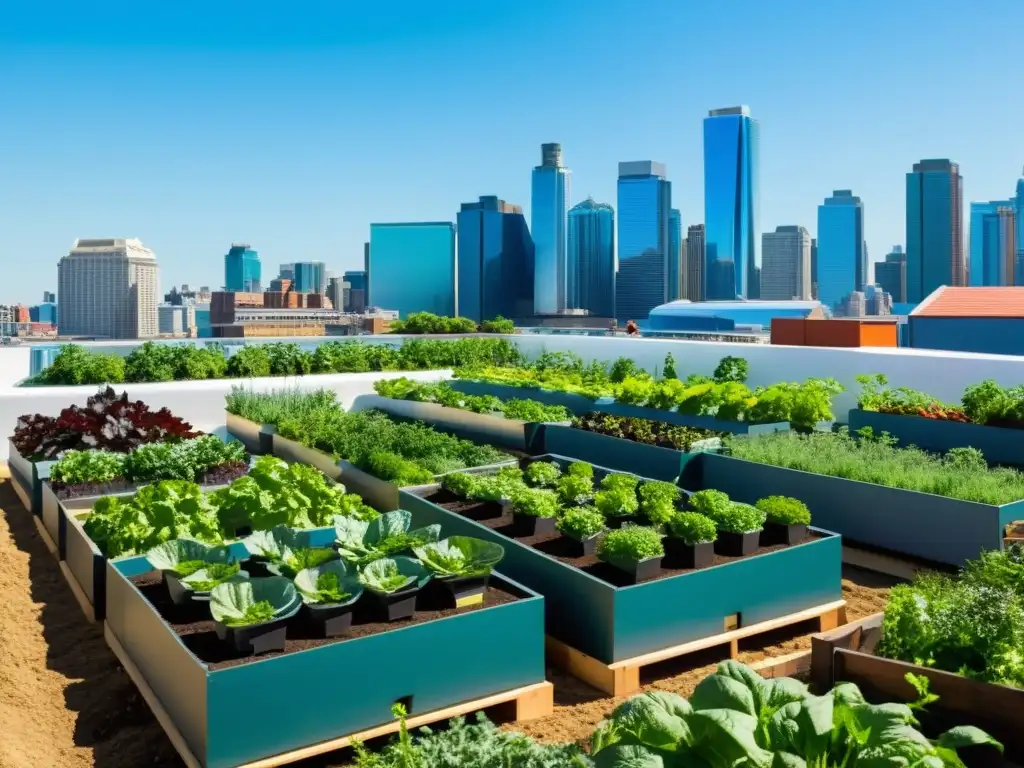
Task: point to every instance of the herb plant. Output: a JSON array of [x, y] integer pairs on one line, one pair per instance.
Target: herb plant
[[631, 544], [784, 510], [581, 523], [397, 470], [254, 601], [658, 500], [643, 430], [442, 393], [391, 574], [502, 486], [459, 557], [542, 474], [536, 502], [692, 528]]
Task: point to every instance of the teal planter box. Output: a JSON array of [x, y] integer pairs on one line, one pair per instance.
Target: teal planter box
[[27, 478], [618, 454], [617, 623], [580, 405], [923, 525], [231, 716], [257, 438], [1000, 445]]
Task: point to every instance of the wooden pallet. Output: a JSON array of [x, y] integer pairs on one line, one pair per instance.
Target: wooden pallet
[[527, 703], [623, 677]]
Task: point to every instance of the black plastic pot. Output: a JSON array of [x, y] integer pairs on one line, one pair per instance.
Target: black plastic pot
[[639, 570], [180, 594], [256, 639], [527, 525], [583, 547], [466, 590], [778, 533], [679, 554], [618, 521], [330, 620], [397, 605], [737, 544]]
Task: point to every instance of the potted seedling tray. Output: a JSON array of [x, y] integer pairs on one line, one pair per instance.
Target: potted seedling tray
[[596, 611], [257, 438], [847, 654], [923, 525], [27, 478], [580, 405], [999, 445], [204, 693]]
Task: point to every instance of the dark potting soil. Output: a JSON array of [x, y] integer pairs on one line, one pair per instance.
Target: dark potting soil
[[560, 547], [192, 623], [222, 474]]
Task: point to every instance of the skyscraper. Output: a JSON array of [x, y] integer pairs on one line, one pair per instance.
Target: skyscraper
[[731, 202], [695, 262], [814, 268], [549, 205], [986, 258], [366, 269], [1018, 211], [591, 248], [310, 277], [935, 247], [356, 280], [786, 264], [645, 198], [413, 267], [675, 242], [108, 288], [495, 261], [891, 274], [242, 269], [840, 247]]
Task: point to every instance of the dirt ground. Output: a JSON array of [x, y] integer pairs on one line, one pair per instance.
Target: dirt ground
[[65, 702]]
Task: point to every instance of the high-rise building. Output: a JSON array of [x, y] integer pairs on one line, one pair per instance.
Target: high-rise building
[[412, 265], [357, 282], [286, 272], [992, 253], [840, 247], [786, 264], [495, 261], [891, 274], [814, 268], [549, 195], [309, 277], [675, 253], [645, 198], [695, 262], [731, 203], [337, 290], [591, 248], [176, 319], [366, 269], [935, 247], [109, 288], [49, 298], [1018, 212], [242, 269]]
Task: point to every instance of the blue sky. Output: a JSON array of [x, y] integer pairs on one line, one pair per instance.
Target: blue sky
[[293, 126]]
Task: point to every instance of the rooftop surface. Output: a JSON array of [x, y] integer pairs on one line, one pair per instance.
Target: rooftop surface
[[949, 301]]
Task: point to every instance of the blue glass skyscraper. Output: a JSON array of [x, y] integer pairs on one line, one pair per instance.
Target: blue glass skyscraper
[[935, 246], [591, 248], [495, 261], [549, 204], [840, 247], [242, 269], [675, 255], [645, 198], [731, 203], [1018, 209], [310, 277], [413, 267]]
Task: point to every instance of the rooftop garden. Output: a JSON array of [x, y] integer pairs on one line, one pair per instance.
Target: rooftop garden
[[441, 393], [985, 403], [427, 322]]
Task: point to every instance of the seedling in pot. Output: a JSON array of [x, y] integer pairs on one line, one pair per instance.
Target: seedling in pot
[[394, 583], [270, 547], [583, 526], [463, 565], [618, 504], [787, 520], [658, 501], [691, 541], [542, 474], [191, 568], [299, 559], [534, 512], [359, 542], [252, 616], [739, 525], [635, 550], [329, 593]]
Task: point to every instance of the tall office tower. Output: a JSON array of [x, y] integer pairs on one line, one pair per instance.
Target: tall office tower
[[495, 261], [684, 271], [935, 246], [645, 198], [108, 288], [891, 274], [675, 244], [986, 258], [695, 262], [731, 203], [786, 264], [357, 282], [49, 298], [310, 277], [413, 264], [242, 269], [549, 195], [1018, 211], [814, 268], [366, 269], [591, 248], [336, 290], [286, 272], [840, 247]]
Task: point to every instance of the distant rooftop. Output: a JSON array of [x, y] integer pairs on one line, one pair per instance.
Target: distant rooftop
[[125, 245], [642, 168], [950, 301], [740, 110]]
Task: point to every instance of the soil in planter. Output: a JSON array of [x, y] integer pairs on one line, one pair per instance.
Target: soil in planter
[[564, 549], [219, 475], [200, 636]]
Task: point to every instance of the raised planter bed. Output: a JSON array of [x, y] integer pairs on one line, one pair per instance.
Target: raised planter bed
[[257, 438], [215, 705], [1000, 445], [27, 478], [591, 608], [580, 405], [924, 525], [847, 654]]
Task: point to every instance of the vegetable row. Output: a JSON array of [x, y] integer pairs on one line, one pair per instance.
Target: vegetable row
[[442, 393], [985, 403]]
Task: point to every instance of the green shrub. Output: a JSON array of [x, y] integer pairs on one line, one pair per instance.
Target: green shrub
[[731, 369], [535, 502], [543, 474], [631, 544], [498, 325], [693, 528], [74, 364], [581, 522], [249, 362], [429, 323], [784, 510], [658, 500]]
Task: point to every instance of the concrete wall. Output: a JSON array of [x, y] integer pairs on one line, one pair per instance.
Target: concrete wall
[[986, 335]]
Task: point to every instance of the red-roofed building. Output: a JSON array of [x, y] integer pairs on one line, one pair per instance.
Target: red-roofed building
[[977, 319]]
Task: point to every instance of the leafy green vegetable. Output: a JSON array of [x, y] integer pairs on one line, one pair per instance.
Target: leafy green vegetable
[[302, 558], [212, 574], [502, 486], [459, 483], [398, 470], [737, 517], [76, 467], [575, 488], [581, 469], [542, 474], [619, 482], [183, 557], [391, 574], [581, 523], [460, 556], [617, 502], [360, 542], [328, 584], [692, 528], [253, 601], [535, 502], [631, 544], [658, 500], [784, 510], [182, 460], [709, 502]]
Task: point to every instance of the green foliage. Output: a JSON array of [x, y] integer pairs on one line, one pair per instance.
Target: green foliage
[[708, 502], [879, 461], [294, 561], [635, 390], [731, 368], [502, 486], [183, 460], [154, 362], [619, 481], [542, 474], [498, 325], [575, 488], [621, 369], [536, 502], [442, 393], [253, 601], [668, 369], [328, 584], [183, 557], [429, 323], [658, 500], [74, 364], [643, 430], [619, 501], [631, 544], [390, 574], [692, 528], [737, 517], [273, 406], [212, 574], [581, 522], [784, 510], [519, 409], [459, 483], [363, 542], [395, 469], [460, 556], [581, 469], [88, 467]]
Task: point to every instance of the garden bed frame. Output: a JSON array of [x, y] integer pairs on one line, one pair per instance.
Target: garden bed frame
[[258, 439], [846, 654], [27, 478]]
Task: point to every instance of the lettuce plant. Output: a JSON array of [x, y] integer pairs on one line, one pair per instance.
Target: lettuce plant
[[542, 474], [617, 481], [658, 500], [93, 467], [692, 528], [631, 544], [328, 584], [460, 556], [254, 601], [737, 517], [581, 523], [460, 484], [273, 546], [391, 574], [536, 502], [617, 501], [297, 560], [575, 488], [784, 510], [502, 486], [212, 575], [708, 502], [360, 542], [183, 557], [580, 469]]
